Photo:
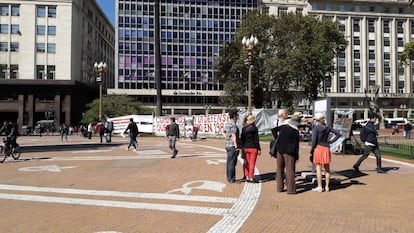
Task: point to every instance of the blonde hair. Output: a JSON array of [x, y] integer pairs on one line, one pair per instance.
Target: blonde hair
[[322, 121]]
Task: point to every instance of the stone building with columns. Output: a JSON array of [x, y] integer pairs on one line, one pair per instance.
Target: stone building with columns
[[376, 31], [47, 52]]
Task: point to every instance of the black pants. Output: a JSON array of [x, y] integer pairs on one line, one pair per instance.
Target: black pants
[[367, 151]]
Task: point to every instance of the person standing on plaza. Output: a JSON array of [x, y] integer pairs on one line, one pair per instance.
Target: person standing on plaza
[[133, 132], [231, 135], [64, 132], [173, 134], [89, 131], [249, 141], [407, 128], [281, 120], [288, 153], [320, 150], [371, 143], [100, 128]]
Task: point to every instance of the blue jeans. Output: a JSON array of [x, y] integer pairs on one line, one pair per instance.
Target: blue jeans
[[132, 142], [231, 163], [408, 134]]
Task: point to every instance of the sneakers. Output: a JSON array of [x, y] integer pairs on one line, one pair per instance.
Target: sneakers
[[356, 168], [326, 189], [317, 189], [379, 170]]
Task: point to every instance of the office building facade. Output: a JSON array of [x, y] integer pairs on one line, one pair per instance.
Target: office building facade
[[376, 32], [192, 33], [47, 53]]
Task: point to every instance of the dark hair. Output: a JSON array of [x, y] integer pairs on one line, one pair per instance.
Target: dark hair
[[131, 119], [233, 113], [173, 119], [372, 115]]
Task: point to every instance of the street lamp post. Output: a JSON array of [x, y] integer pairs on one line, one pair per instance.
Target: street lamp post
[[249, 44], [100, 70]]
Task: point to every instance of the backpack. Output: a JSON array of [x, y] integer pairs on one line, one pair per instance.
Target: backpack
[[363, 134]]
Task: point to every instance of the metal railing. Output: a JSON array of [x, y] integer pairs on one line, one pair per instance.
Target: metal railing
[[397, 146]]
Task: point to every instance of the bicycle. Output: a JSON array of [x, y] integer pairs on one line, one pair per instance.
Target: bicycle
[[5, 151]]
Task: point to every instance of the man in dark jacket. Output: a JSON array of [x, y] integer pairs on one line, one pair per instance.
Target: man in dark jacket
[[133, 133], [9, 129], [371, 144], [173, 135]]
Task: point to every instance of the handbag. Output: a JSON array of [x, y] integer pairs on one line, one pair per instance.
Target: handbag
[[273, 149]]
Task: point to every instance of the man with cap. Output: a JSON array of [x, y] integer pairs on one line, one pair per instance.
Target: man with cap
[[371, 144], [320, 151], [287, 153]]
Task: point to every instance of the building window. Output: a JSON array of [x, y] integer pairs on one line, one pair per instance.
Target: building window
[[40, 30], [15, 29], [4, 28], [15, 10], [282, 10], [14, 46], [357, 41], [4, 47], [371, 54], [386, 26], [3, 71], [51, 47], [356, 25], [371, 25], [386, 41], [4, 10], [41, 11], [51, 30], [40, 72], [14, 71], [51, 72], [51, 12], [40, 47]]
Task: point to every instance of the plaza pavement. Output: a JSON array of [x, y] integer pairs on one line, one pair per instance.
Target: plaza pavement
[[84, 186]]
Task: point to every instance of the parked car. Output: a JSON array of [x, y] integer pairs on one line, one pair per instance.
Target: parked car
[[399, 122], [360, 123]]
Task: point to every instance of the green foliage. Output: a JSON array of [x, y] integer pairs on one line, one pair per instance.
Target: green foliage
[[113, 106], [293, 55], [407, 54]]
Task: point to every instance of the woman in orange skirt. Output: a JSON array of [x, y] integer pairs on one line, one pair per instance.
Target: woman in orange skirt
[[320, 150]]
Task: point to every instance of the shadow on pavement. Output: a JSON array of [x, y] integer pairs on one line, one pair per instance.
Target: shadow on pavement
[[267, 177], [67, 147]]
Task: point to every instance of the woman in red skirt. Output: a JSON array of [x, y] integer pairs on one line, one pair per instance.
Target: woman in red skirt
[[320, 150]]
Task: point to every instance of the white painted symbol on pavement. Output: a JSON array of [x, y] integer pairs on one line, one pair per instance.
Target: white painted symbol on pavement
[[90, 151], [215, 161], [108, 232], [205, 184], [48, 168]]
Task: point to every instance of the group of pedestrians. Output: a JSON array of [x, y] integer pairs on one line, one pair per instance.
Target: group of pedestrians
[[285, 133]]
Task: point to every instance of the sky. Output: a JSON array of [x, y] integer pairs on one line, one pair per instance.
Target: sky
[[108, 6]]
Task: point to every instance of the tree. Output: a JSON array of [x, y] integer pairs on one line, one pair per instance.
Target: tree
[[113, 106], [292, 59], [407, 54]]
